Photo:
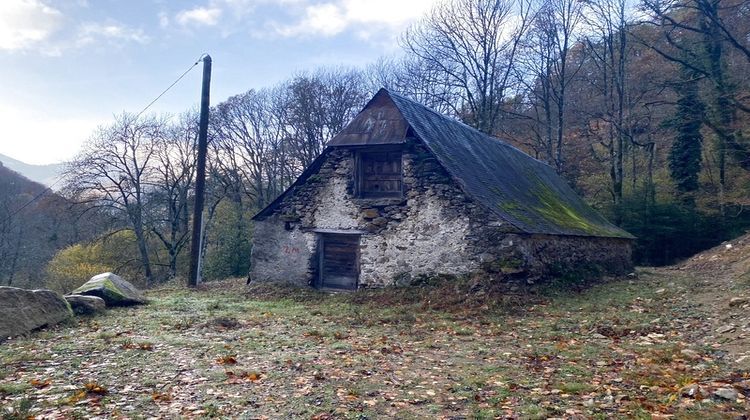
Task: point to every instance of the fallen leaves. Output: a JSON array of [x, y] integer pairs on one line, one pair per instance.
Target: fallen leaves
[[89, 390], [579, 356], [251, 376], [227, 359], [94, 388], [130, 345], [40, 383], [161, 396]]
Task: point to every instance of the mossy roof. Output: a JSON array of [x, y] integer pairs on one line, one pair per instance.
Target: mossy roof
[[520, 189]]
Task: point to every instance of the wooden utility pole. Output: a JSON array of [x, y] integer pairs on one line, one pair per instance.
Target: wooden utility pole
[[200, 176]]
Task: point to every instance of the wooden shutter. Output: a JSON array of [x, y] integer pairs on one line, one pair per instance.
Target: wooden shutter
[[380, 174]]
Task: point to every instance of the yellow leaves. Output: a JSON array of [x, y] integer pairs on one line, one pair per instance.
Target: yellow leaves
[[227, 359], [160, 396], [246, 376], [40, 383], [347, 394], [94, 388], [90, 389], [78, 396]]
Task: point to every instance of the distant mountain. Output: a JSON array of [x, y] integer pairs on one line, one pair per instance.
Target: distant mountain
[[43, 174]]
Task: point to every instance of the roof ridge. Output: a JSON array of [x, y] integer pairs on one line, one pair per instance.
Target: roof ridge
[[459, 122]]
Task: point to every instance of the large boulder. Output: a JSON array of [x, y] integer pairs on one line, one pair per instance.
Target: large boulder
[[85, 304], [113, 289], [24, 310]]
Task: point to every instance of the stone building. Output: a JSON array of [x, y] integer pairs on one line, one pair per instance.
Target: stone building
[[404, 192]]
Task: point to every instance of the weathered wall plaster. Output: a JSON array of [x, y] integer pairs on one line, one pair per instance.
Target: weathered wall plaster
[[433, 229]]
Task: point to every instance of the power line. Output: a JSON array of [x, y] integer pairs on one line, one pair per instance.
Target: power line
[[46, 190], [28, 203], [172, 85]]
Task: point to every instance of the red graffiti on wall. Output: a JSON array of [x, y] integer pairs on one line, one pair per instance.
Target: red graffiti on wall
[[286, 249]]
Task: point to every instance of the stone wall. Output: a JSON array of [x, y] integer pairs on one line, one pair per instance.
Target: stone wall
[[538, 256], [428, 231], [434, 229]]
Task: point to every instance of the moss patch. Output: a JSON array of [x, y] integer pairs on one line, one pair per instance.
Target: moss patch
[[505, 265], [554, 210], [516, 211], [108, 289]]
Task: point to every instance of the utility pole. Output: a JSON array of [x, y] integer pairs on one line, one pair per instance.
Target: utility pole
[[200, 176]]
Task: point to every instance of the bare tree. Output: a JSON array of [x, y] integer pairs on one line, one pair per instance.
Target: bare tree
[[242, 133], [470, 46], [608, 47], [114, 172], [318, 106], [548, 70], [416, 79], [174, 171]]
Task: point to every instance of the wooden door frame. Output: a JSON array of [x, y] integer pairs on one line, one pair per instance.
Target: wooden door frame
[[321, 257]]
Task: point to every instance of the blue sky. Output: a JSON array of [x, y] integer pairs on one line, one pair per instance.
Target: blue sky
[[68, 65]]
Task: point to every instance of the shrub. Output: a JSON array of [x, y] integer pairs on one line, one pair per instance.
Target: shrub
[[76, 264]]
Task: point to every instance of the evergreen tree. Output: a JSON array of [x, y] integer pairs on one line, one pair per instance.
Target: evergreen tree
[[685, 153]]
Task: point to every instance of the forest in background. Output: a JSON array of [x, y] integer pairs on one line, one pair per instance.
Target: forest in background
[[643, 108]]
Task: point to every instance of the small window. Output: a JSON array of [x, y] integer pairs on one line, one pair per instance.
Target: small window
[[379, 174]]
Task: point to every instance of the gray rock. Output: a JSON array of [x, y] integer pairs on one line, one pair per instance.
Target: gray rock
[[726, 394], [113, 289], [86, 305], [23, 310], [692, 391]]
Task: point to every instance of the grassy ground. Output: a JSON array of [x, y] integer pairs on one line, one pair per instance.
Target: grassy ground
[[443, 351]]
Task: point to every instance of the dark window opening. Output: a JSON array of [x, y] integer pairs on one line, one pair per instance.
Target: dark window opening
[[379, 174]]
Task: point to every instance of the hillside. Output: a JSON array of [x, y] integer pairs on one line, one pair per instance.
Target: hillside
[[43, 174], [717, 282], [656, 345], [34, 224]]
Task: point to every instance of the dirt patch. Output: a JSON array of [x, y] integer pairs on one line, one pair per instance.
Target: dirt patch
[[716, 283]]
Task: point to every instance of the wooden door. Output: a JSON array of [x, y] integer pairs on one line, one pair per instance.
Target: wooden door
[[339, 261]]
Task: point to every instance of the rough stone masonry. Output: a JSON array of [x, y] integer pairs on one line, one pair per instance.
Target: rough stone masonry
[[433, 228]]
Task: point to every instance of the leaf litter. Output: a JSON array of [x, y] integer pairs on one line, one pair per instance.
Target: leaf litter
[[626, 348]]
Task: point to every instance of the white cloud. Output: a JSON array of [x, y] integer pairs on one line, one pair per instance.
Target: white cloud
[[364, 16], [93, 32], [25, 23], [39, 138], [202, 16]]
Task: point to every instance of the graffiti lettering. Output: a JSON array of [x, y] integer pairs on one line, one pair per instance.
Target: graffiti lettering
[[286, 249]]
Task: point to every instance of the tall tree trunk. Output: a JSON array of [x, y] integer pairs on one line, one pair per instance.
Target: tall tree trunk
[[140, 238]]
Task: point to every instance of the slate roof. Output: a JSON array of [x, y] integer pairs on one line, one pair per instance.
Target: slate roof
[[520, 189]]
